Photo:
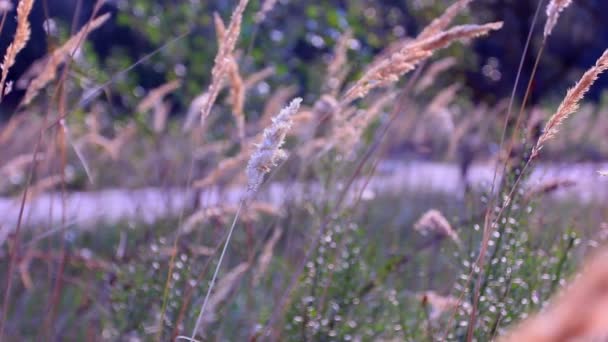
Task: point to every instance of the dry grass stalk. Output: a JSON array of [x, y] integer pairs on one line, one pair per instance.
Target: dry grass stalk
[[258, 77], [22, 35], [578, 313], [43, 185], [59, 56], [224, 287], [266, 255], [434, 222], [269, 152], [432, 72], [442, 22], [570, 103], [113, 146], [224, 55], [443, 98], [548, 187], [554, 9], [390, 69], [252, 214], [156, 95], [161, 113]]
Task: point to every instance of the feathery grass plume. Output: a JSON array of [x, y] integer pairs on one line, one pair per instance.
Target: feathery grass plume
[[269, 152], [440, 23], [390, 69], [443, 98], [432, 72], [603, 173], [59, 56], [434, 222], [267, 155], [156, 95], [22, 35], [554, 9], [267, 6], [438, 303], [337, 69], [570, 103], [237, 85], [266, 256], [578, 313], [225, 51]]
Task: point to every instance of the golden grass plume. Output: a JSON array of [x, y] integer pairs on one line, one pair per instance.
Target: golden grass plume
[[222, 64], [22, 36], [433, 222], [570, 103]]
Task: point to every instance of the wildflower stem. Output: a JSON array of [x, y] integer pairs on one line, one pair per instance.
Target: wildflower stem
[[217, 269]]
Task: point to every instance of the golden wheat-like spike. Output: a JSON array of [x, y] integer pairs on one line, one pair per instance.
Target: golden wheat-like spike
[[554, 9], [237, 97], [222, 59], [570, 103], [440, 23], [156, 95], [22, 36], [403, 61], [59, 56]]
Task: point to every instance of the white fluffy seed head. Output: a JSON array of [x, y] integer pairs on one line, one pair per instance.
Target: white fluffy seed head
[[268, 153]]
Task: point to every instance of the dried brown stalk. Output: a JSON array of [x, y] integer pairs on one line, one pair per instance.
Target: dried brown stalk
[[59, 56]]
